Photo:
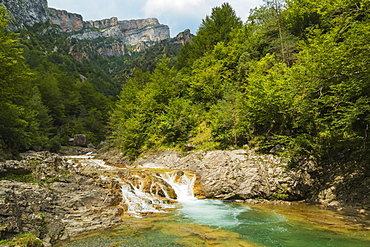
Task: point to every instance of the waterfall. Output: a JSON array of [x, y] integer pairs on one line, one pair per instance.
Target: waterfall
[[139, 202], [141, 198], [203, 211], [143, 190], [181, 183]]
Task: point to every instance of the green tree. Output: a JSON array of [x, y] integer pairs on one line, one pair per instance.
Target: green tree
[[271, 27], [214, 28], [14, 83], [40, 122], [334, 64]]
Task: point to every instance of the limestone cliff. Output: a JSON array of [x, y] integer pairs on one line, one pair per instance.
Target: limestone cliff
[[112, 49], [26, 13], [66, 21], [106, 23], [142, 32], [130, 32]]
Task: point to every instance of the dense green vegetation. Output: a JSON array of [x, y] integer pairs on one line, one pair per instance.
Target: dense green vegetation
[[54, 87], [294, 77], [46, 96]]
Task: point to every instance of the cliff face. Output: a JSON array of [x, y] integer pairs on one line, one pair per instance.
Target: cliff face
[[106, 23], [114, 49], [66, 21], [139, 34], [130, 32], [25, 12]]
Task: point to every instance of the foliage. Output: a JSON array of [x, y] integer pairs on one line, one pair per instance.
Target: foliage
[[295, 75], [214, 29], [16, 118], [23, 240], [28, 240], [47, 96], [25, 178]]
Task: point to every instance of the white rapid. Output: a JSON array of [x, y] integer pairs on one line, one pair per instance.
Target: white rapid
[[181, 183], [88, 162], [214, 213], [139, 202]]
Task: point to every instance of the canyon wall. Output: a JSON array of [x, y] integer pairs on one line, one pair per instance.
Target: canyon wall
[[130, 32]]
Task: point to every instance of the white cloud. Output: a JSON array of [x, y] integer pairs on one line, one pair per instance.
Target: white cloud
[[183, 7]]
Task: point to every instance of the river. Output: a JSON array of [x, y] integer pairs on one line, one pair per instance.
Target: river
[[204, 222]]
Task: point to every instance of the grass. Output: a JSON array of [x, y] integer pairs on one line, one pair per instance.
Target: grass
[[25, 178], [23, 240]]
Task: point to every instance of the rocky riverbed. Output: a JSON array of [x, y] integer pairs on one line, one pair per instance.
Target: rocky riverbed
[[57, 198]]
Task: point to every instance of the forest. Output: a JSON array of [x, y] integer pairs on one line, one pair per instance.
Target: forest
[[292, 80]]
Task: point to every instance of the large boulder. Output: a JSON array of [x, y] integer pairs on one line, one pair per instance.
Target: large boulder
[[237, 174], [80, 140]]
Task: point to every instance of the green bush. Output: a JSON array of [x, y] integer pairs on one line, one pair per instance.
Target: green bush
[[28, 240]]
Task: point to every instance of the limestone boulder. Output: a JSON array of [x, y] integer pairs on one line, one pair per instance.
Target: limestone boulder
[[237, 174]]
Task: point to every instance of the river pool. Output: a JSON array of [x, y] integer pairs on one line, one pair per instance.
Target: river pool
[[205, 222]]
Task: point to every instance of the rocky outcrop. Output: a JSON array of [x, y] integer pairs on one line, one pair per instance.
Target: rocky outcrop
[[114, 49], [80, 140], [106, 23], [241, 174], [26, 13], [237, 174], [184, 37], [14, 167], [67, 21], [130, 32], [60, 202]]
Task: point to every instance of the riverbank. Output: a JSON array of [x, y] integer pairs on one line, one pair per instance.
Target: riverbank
[[245, 175], [55, 199]]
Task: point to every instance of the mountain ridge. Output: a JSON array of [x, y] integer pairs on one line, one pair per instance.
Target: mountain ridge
[[130, 32]]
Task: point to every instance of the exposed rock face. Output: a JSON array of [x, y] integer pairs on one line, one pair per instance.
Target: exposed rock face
[[115, 49], [66, 21], [237, 174], [102, 23], [241, 174], [129, 32], [14, 167], [25, 12], [184, 37], [68, 202]]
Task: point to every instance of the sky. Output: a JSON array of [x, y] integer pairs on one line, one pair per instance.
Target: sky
[[177, 14]]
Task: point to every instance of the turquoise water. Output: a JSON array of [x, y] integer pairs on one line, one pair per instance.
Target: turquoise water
[[217, 223]]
